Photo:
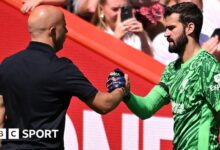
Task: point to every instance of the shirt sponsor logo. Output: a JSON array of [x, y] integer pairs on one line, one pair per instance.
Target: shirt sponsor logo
[[217, 78], [215, 87]]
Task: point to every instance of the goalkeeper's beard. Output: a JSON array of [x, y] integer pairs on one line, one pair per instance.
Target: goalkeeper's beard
[[180, 44]]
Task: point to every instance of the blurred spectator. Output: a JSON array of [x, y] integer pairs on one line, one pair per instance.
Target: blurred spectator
[[71, 5], [211, 9], [85, 8], [140, 3], [213, 44], [151, 16], [199, 3], [107, 18], [29, 5]]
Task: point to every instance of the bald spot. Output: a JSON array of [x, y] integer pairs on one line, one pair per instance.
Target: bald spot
[[43, 18]]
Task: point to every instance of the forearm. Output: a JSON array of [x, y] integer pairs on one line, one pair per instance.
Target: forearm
[[55, 2], [86, 6], [105, 102], [145, 107], [114, 99], [145, 44]]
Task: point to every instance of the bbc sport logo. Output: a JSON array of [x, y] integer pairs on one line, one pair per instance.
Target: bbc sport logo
[[15, 133]]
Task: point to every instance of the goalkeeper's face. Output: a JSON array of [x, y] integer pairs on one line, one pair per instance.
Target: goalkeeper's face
[[179, 44], [175, 34]]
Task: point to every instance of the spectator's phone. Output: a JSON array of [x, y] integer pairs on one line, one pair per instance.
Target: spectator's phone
[[126, 13], [216, 32]]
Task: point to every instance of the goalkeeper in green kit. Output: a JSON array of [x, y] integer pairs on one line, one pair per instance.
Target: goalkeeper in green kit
[[191, 83]]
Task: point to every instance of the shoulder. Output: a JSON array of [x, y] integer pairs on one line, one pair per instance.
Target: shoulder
[[13, 57], [171, 66], [207, 58], [168, 72], [208, 63], [66, 64], [63, 61]]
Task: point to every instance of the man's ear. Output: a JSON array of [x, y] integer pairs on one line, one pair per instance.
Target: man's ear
[[190, 28], [52, 31]]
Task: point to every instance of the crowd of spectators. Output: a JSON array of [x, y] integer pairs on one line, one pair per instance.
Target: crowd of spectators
[[145, 31], [130, 31]]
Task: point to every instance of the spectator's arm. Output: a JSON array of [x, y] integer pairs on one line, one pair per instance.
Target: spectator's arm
[[85, 7], [29, 5], [213, 46], [146, 43]]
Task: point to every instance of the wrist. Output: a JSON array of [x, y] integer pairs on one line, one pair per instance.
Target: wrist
[[117, 36], [126, 96]]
